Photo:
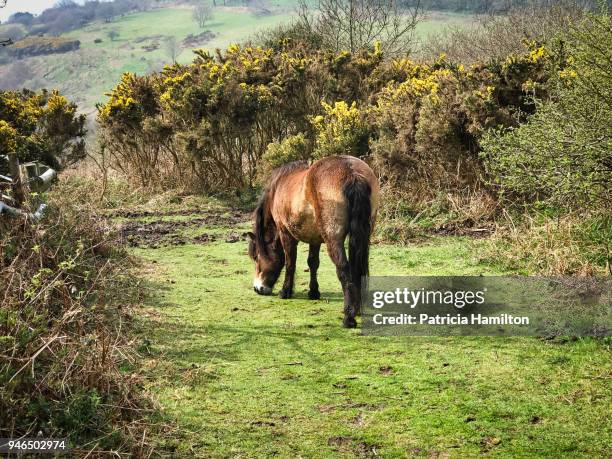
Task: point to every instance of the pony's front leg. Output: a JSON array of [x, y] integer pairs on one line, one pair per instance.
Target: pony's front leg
[[313, 266], [290, 247], [338, 256]]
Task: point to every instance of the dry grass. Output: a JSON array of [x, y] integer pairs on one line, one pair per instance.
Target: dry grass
[[405, 215], [568, 245], [66, 349], [535, 242]]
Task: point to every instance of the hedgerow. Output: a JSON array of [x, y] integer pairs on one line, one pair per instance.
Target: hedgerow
[[207, 125]]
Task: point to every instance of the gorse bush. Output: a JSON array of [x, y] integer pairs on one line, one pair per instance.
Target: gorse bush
[[342, 130], [429, 119], [41, 126], [207, 125], [292, 148]]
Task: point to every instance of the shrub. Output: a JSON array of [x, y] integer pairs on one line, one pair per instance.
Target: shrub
[[39, 46], [561, 156], [207, 125], [64, 332], [43, 126], [296, 33], [429, 119], [12, 31], [342, 130], [292, 148]]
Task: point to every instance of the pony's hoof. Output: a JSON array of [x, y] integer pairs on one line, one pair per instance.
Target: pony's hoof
[[349, 322], [284, 294], [314, 295]]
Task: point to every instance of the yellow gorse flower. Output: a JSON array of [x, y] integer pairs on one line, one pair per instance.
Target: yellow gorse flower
[[8, 138], [537, 54]]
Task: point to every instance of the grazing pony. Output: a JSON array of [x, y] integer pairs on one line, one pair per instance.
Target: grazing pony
[[333, 198]]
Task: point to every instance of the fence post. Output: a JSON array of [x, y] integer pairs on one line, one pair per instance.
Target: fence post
[[18, 185]]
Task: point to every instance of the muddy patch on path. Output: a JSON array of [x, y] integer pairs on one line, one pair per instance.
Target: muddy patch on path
[[167, 233], [212, 217]]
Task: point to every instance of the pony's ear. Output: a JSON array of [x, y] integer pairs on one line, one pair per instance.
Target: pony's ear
[[249, 235]]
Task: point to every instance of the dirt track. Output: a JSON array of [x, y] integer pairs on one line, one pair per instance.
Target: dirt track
[[163, 232]]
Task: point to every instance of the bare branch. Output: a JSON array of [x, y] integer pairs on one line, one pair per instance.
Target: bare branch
[[357, 24]]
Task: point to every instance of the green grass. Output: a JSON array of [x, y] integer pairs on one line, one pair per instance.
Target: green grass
[[228, 26], [87, 74], [434, 21], [248, 376]]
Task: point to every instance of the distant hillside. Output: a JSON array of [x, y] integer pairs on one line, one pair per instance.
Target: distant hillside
[[145, 41], [136, 42]]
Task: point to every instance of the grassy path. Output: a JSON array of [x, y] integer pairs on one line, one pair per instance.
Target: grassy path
[[250, 376]]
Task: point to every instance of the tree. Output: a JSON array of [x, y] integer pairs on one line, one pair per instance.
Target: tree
[[69, 18], [172, 48], [356, 24], [113, 34], [66, 4], [105, 11], [16, 74], [22, 18], [7, 41], [202, 13], [14, 31], [259, 7]]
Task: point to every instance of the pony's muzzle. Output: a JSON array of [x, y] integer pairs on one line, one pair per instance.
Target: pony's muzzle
[[261, 289]]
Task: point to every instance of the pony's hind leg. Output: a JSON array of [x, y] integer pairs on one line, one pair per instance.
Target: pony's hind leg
[[338, 256], [313, 266], [290, 247]]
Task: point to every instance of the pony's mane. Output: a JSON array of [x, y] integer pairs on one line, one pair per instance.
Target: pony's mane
[[264, 200], [283, 170]]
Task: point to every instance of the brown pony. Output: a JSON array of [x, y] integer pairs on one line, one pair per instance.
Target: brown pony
[[334, 198]]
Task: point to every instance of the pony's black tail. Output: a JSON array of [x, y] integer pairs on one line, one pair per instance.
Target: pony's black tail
[[358, 194]]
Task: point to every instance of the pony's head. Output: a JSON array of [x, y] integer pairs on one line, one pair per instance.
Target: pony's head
[[265, 249]]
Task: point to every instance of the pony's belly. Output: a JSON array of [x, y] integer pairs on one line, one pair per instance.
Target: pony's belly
[[304, 228]]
